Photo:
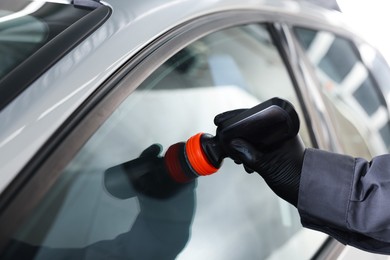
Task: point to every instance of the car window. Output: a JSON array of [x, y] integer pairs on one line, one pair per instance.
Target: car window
[[359, 110], [34, 35], [378, 66], [228, 215], [27, 26]]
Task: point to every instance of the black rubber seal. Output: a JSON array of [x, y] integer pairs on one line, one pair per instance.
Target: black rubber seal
[[32, 68]]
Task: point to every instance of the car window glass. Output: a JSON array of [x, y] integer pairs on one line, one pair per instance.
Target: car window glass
[[228, 215], [378, 67], [26, 26], [361, 115]]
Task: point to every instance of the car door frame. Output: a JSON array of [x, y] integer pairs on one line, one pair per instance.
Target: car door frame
[[34, 181], [331, 248]]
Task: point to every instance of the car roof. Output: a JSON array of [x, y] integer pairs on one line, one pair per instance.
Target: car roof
[[32, 117]]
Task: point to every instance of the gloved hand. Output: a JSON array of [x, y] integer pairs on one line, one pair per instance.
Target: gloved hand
[[280, 166]]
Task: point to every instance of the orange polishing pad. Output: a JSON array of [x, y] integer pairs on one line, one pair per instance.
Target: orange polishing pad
[[197, 157]]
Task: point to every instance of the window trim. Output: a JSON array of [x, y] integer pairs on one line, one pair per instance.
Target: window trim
[[49, 54], [290, 58], [326, 135], [37, 177]]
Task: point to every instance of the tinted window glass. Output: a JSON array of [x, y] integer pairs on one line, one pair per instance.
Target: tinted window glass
[[361, 115], [336, 64], [228, 215], [366, 96]]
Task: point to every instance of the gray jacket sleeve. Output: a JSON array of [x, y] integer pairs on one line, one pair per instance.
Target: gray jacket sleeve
[[348, 198]]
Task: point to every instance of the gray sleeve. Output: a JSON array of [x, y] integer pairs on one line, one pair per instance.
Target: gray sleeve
[[348, 198]]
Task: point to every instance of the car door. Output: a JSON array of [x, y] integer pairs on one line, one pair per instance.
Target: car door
[[166, 93]]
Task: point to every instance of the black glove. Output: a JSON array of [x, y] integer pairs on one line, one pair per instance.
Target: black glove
[[280, 166]]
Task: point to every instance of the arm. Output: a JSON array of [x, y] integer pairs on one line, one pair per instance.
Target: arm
[[348, 198]]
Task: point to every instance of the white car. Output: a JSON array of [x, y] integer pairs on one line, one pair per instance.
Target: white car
[[87, 85]]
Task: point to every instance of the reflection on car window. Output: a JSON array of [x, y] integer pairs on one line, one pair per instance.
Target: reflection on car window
[[234, 68], [25, 34], [361, 115], [378, 67], [27, 26]]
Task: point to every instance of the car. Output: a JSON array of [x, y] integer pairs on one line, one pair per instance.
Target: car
[[89, 85]]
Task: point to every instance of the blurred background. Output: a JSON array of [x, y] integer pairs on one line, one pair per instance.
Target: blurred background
[[371, 19]]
